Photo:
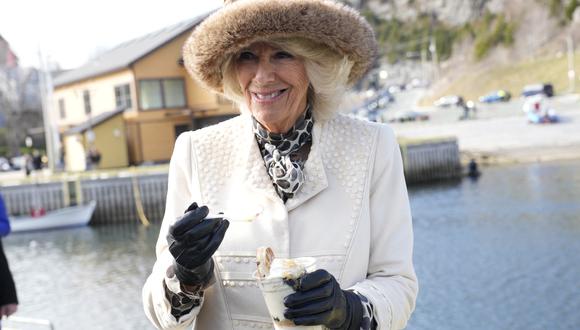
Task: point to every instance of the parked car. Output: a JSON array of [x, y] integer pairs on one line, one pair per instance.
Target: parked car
[[496, 96], [18, 162], [378, 101], [404, 116], [535, 89], [417, 83], [449, 100], [4, 165], [394, 89]]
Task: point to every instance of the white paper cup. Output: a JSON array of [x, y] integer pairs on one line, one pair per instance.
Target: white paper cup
[[275, 290]]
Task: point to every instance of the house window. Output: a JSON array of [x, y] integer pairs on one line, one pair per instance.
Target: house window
[[87, 99], [123, 96], [61, 109], [162, 93]]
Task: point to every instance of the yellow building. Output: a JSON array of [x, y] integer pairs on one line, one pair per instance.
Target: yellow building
[[133, 101]]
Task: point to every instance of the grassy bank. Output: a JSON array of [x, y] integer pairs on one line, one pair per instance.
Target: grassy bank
[[472, 85]]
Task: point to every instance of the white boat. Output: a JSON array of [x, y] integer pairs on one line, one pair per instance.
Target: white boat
[[72, 216]]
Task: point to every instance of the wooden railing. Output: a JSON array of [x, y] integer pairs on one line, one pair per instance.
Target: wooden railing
[[115, 197]]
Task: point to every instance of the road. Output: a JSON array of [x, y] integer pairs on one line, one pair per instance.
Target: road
[[499, 132]]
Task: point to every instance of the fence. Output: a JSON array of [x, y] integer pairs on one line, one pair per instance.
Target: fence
[[116, 197]]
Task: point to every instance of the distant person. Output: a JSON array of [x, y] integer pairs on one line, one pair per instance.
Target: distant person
[[8, 299], [464, 106], [4, 223], [473, 170], [61, 159], [28, 166], [36, 160], [93, 158], [472, 109]]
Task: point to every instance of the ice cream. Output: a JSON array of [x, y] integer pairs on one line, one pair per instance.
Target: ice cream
[[271, 274], [264, 258]]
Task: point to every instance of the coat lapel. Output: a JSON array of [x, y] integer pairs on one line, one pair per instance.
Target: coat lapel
[[253, 169]]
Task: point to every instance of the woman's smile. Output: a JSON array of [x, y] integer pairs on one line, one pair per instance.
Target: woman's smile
[[268, 97]]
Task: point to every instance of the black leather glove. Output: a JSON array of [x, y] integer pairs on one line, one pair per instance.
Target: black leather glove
[[320, 301], [193, 240]]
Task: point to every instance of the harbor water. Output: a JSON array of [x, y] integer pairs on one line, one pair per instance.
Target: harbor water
[[502, 252]]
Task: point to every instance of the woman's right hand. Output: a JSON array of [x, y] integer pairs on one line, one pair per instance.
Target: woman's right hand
[[193, 239]]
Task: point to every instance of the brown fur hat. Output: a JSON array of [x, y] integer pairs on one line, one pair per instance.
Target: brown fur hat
[[239, 23]]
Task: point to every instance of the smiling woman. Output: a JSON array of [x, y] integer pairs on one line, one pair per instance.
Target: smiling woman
[[308, 181]]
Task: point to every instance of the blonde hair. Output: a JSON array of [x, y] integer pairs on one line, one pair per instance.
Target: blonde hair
[[327, 70]]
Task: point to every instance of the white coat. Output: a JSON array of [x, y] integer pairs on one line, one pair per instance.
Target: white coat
[[352, 214]]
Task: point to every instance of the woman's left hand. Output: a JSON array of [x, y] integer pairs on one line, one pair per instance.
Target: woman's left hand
[[319, 300]]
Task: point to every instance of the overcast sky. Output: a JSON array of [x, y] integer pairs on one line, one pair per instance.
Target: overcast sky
[[70, 31]]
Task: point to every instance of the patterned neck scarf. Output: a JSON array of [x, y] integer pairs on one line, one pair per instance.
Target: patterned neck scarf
[[281, 153]]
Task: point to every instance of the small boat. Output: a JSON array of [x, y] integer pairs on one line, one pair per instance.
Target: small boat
[[72, 216]]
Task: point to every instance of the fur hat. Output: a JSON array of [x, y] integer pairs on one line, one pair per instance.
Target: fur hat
[[240, 23]]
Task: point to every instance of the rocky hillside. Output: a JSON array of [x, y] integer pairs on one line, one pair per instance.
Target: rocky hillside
[[457, 12], [471, 35], [454, 12]]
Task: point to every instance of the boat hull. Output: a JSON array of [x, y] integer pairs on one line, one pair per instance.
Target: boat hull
[[66, 217]]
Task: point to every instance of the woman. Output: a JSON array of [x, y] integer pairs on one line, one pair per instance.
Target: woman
[[288, 173], [8, 300]]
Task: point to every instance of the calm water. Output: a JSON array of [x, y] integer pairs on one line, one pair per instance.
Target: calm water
[[499, 253]]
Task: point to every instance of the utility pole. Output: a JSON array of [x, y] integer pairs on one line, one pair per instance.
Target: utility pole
[[434, 59], [424, 63], [45, 83], [433, 47], [571, 69]]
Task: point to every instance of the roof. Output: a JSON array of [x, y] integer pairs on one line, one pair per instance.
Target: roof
[[94, 121], [127, 53]]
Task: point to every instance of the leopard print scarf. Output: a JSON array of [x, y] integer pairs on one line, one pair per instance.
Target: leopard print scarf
[[281, 154]]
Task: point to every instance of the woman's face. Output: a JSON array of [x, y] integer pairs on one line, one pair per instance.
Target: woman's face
[[274, 84]]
